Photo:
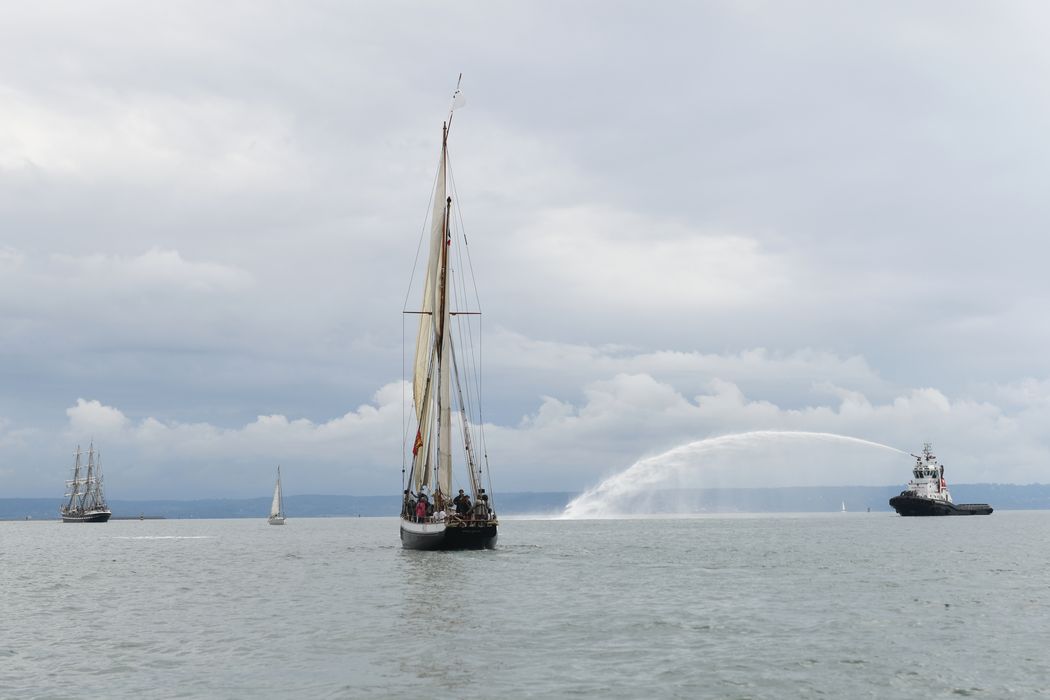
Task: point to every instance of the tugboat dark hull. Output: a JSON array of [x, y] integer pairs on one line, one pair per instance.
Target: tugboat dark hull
[[913, 506], [445, 538], [86, 518]]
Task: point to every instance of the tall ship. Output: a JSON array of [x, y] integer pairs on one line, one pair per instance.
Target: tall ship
[[86, 501], [277, 505], [446, 389], [927, 492]]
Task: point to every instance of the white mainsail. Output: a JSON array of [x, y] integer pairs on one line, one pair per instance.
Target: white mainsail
[[433, 354], [277, 507], [429, 319]]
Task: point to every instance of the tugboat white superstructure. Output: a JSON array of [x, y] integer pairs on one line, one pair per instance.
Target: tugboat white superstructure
[[87, 502], [927, 492], [444, 381]]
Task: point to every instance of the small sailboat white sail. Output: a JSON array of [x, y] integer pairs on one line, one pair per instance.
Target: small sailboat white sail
[[843, 506], [86, 501], [277, 506], [445, 384]]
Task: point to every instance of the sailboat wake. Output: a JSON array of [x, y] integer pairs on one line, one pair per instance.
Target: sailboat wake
[[767, 458]]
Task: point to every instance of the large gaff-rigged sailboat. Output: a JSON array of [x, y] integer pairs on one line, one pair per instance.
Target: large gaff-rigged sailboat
[[445, 382], [86, 500], [277, 506]]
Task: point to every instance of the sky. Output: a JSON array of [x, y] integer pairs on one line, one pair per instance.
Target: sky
[[686, 220]]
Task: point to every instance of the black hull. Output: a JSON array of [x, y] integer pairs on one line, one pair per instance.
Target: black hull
[[912, 506], [93, 518], [451, 538]]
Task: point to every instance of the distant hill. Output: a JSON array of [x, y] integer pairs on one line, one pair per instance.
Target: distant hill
[[777, 500]]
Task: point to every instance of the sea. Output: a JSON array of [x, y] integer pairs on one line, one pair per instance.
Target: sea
[[834, 605]]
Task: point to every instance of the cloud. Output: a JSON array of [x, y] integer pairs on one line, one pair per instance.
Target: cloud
[[92, 418], [155, 269], [204, 142], [572, 445], [629, 417], [624, 262], [827, 219]]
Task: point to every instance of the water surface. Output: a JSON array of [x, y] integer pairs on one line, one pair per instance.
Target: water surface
[[771, 606]]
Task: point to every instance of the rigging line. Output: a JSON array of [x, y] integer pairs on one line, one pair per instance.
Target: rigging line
[[464, 422], [476, 362], [477, 297], [422, 231], [463, 402], [404, 413], [474, 280], [466, 243], [467, 331]]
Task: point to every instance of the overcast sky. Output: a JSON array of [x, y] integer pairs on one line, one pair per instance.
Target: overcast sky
[[686, 220]]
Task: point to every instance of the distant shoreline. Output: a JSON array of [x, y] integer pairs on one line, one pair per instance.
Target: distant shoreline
[[551, 503]]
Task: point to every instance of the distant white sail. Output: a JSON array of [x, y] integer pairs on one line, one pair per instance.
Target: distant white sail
[[277, 506]]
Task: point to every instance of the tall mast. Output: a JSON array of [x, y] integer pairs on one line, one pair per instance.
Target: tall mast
[[444, 444], [75, 483], [89, 488]]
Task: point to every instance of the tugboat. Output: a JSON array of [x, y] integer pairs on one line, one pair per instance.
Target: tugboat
[[927, 492]]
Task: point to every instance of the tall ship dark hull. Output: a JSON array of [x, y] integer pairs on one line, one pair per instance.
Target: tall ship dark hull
[[86, 501], [914, 506], [435, 536], [97, 517]]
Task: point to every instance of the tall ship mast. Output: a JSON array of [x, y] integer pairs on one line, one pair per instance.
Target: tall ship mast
[[927, 491], [86, 500], [444, 504]]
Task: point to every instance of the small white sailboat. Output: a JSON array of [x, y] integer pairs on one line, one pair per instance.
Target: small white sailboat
[[843, 506], [277, 507]]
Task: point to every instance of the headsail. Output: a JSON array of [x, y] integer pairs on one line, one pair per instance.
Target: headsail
[[429, 320], [277, 507]]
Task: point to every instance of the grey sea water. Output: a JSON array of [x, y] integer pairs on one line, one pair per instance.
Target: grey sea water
[[765, 606]]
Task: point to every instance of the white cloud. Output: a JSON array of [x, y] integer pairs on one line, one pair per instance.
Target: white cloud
[[566, 445], [622, 261], [202, 141], [90, 418], [157, 269]]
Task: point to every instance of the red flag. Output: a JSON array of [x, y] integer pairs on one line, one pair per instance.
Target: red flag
[[418, 443]]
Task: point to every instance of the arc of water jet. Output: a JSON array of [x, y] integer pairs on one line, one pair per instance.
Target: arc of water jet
[[644, 472]]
